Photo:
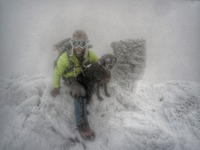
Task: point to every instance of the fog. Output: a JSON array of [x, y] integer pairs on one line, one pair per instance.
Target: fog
[[28, 29]]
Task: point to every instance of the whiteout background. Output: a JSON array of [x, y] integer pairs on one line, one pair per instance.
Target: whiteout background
[[156, 116], [28, 29]]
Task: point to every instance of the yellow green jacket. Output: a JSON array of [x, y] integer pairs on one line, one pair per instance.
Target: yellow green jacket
[[63, 64]]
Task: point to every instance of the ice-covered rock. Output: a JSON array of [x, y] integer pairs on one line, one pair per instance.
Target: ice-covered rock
[[163, 116], [130, 65]]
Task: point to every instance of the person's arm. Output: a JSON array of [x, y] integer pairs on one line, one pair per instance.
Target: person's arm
[[61, 66]]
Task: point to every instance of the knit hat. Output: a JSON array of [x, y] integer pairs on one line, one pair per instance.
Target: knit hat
[[80, 35]]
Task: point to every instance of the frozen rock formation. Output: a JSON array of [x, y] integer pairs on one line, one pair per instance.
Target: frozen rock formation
[[130, 65]]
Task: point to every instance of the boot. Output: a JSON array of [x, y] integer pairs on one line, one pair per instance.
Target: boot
[[85, 131], [92, 133]]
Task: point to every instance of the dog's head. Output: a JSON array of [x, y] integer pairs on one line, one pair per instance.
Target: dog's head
[[108, 61]]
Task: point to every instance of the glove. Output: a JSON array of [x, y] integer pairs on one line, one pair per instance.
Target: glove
[[55, 92]]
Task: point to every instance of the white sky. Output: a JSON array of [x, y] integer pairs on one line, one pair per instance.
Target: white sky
[[28, 29]]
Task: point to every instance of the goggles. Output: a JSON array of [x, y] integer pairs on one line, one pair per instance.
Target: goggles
[[81, 44]]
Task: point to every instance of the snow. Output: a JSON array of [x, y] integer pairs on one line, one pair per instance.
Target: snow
[[163, 113], [155, 116]]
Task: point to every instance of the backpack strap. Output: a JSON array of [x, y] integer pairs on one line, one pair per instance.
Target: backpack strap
[[71, 65]]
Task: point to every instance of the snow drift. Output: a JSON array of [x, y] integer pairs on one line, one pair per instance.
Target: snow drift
[[153, 117], [163, 116]]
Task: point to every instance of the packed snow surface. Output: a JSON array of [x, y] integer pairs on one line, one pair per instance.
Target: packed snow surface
[[163, 116]]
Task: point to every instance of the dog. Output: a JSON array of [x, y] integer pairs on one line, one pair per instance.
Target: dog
[[98, 74]]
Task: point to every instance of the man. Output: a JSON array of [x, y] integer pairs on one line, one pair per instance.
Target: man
[[69, 65]]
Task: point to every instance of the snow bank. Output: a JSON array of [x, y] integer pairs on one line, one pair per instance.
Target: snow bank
[[162, 116]]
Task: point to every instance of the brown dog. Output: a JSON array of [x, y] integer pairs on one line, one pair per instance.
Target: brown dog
[[98, 74]]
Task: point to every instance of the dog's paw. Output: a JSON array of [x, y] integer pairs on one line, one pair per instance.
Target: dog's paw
[[107, 94]]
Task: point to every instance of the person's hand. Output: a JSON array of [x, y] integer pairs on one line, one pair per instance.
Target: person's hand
[[55, 92]]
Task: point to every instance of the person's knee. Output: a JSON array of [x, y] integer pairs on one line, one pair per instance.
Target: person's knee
[[77, 90]]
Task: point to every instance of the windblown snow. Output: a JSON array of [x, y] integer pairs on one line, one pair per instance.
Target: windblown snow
[[163, 116], [156, 116]]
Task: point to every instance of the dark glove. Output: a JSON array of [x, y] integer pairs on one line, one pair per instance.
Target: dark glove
[[55, 92]]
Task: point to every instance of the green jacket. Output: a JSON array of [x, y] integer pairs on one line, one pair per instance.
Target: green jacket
[[64, 64]]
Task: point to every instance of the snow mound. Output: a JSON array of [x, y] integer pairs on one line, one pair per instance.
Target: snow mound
[[163, 116]]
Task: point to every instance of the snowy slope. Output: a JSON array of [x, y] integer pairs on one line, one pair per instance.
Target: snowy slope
[[163, 116]]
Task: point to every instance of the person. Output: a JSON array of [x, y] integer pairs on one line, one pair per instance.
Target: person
[[69, 65]]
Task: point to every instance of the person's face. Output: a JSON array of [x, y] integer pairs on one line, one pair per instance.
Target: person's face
[[79, 50]]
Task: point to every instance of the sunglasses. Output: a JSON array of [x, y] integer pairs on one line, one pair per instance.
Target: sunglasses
[[79, 43]]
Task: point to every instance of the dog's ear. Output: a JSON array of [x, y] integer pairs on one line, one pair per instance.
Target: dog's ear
[[102, 61]]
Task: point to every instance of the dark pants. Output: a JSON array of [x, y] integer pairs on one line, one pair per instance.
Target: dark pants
[[80, 110], [78, 89]]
